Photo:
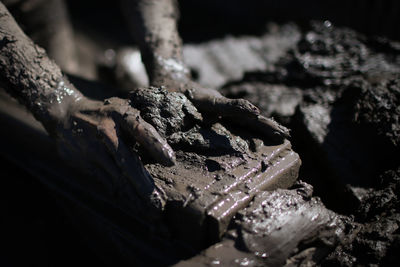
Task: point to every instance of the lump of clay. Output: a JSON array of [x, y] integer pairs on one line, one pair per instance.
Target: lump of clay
[[167, 112], [215, 140], [177, 120]]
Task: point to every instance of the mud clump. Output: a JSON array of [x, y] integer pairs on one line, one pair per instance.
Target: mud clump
[[377, 239], [177, 120], [167, 112], [378, 109]]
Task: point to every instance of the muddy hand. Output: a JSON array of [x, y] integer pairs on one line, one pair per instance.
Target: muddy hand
[[239, 111], [109, 125]]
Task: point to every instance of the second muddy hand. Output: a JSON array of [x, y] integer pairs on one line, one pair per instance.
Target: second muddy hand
[[154, 26]]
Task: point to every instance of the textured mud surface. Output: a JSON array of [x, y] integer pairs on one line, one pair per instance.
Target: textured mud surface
[[376, 240], [283, 227], [217, 172], [167, 112], [177, 120], [339, 91]]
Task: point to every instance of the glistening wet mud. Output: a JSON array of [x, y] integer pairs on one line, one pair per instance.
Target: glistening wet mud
[[217, 173], [339, 93]]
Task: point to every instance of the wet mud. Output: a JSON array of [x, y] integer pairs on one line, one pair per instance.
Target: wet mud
[[195, 199], [219, 167], [278, 228], [337, 90]]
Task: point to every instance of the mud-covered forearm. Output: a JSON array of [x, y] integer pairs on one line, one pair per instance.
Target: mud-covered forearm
[[47, 23], [30, 76], [154, 26]]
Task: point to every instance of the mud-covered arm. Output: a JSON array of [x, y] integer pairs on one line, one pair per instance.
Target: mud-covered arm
[[30, 76], [48, 24], [37, 82], [154, 25]]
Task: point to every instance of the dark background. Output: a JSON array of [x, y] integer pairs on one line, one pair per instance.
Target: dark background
[[209, 19]]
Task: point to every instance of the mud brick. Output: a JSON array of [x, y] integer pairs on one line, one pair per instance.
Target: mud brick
[[268, 230], [204, 193]]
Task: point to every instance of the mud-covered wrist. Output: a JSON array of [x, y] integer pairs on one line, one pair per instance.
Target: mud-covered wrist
[[55, 108], [30, 76], [169, 72]]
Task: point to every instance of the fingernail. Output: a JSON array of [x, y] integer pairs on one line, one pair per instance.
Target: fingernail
[[279, 129], [168, 156]]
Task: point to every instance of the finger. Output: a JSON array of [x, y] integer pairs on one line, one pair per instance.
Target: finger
[[80, 146], [242, 111], [212, 101], [235, 108], [126, 161], [144, 133], [147, 136], [271, 125], [265, 126]]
